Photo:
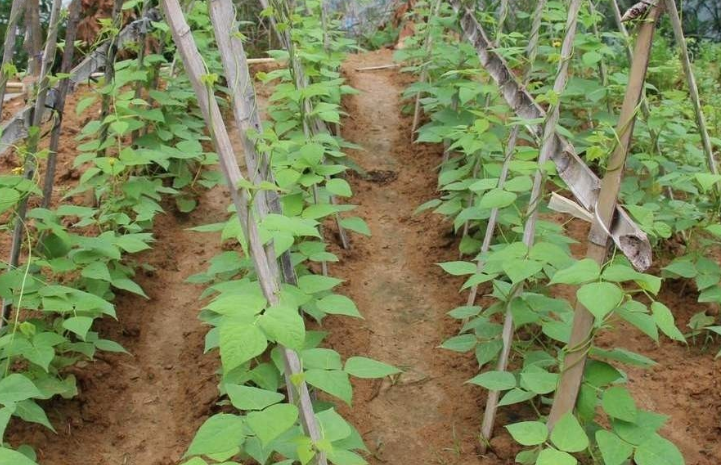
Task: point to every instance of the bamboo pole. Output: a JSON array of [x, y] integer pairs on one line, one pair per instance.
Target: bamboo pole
[[268, 282], [531, 52], [693, 90], [581, 180], [29, 168], [529, 232], [141, 65], [16, 11], [59, 104], [428, 49], [34, 43], [599, 244], [109, 72]]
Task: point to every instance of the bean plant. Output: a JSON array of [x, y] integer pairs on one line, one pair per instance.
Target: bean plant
[[667, 190]]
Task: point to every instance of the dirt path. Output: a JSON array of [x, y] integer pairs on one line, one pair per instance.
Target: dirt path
[[144, 409], [428, 416]]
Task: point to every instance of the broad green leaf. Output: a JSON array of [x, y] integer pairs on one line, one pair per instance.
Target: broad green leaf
[[666, 322], [600, 298], [16, 388], [11, 457], [284, 325], [582, 271], [5, 414], [311, 284], [646, 425], [31, 412], [495, 380], [356, 224], [8, 198], [366, 368], [325, 359], [334, 382], [658, 451], [515, 396], [334, 427], [458, 268], [614, 450], [272, 422], [462, 343], [529, 433], [220, 433], [240, 343], [251, 398], [618, 403], [497, 198], [555, 457], [336, 304], [539, 381], [79, 325], [339, 187], [519, 269], [568, 435]]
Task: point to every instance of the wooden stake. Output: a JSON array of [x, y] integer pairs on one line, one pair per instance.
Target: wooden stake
[[428, 49], [531, 52], [59, 104], [109, 72], [598, 246], [529, 231], [693, 90], [29, 168], [16, 11], [268, 282], [34, 37]]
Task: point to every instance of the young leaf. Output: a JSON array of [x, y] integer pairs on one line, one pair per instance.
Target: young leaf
[[495, 380], [334, 382], [250, 398], [529, 433], [614, 450], [272, 422], [600, 298], [555, 457], [220, 433], [582, 271], [366, 368], [658, 451], [568, 435], [665, 321], [618, 403], [336, 304], [239, 343], [458, 268]]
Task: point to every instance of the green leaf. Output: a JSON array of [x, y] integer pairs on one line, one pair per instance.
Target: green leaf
[[336, 304], [5, 414], [515, 396], [334, 427], [497, 198], [495, 380], [568, 435], [250, 398], [366, 368], [8, 198], [658, 451], [459, 268], [665, 321], [519, 269], [529, 433], [110, 346], [311, 284], [284, 325], [79, 325], [462, 343], [129, 285], [31, 412], [272, 422], [356, 224], [11, 457], [582, 271], [555, 457], [16, 388], [614, 450], [339, 187], [334, 382], [239, 343], [618, 403], [220, 433], [539, 381], [591, 58], [600, 298]]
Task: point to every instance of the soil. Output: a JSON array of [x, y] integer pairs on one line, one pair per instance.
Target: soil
[[144, 409]]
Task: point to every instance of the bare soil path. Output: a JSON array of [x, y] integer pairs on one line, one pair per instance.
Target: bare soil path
[[428, 416]]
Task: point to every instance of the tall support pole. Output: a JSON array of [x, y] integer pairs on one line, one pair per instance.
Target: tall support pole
[[529, 232], [693, 90], [428, 50], [62, 92], [269, 283], [599, 243], [29, 168], [109, 73], [16, 11]]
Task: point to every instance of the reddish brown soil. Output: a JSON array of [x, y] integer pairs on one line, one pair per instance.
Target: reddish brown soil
[[144, 409], [428, 416]]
